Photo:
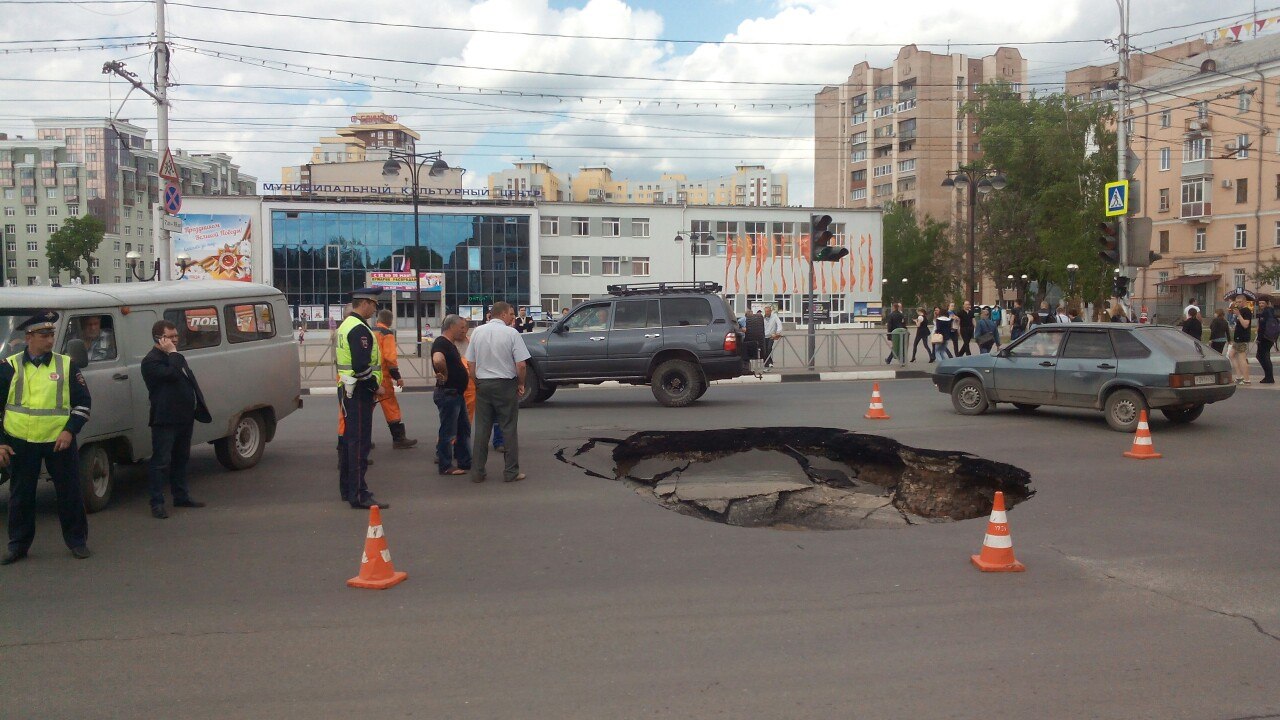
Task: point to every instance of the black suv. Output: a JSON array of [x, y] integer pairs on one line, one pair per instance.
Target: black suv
[[676, 337]]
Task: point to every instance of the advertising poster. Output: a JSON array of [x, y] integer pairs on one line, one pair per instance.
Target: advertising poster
[[431, 281], [389, 280], [220, 246]]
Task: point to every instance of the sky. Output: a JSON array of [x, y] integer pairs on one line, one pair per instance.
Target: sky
[[646, 87]]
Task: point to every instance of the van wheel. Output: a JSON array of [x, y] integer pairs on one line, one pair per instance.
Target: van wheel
[[244, 447], [1183, 415], [1123, 410], [95, 477], [677, 383]]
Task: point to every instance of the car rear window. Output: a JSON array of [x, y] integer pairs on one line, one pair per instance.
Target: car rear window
[[1172, 342], [693, 311], [1127, 346]]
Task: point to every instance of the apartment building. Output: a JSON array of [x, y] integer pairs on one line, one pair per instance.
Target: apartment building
[[892, 134], [1210, 177], [529, 179], [1098, 82], [750, 185], [94, 166]]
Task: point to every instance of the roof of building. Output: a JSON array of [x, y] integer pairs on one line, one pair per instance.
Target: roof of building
[[1226, 58]]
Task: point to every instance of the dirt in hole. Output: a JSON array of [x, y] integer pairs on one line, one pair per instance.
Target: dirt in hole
[[801, 478]]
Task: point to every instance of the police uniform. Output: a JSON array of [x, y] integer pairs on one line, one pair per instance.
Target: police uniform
[[45, 396], [359, 367], [391, 373]]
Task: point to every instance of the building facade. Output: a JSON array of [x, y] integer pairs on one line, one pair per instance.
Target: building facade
[[531, 179], [1210, 174], [99, 167], [892, 134], [750, 185]]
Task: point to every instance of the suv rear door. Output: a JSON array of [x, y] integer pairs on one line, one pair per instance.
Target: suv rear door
[[579, 348], [635, 338]]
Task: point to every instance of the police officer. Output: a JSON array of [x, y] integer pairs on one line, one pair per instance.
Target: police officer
[[47, 403], [359, 368]]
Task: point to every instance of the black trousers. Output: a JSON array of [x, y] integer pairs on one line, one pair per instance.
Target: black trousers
[[64, 467], [1264, 358], [170, 451], [922, 338], [358, 411], [966, 335], [768, 352]]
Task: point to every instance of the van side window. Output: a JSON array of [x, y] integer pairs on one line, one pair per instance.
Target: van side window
[[249, 322], [197, 327], [98, 334]]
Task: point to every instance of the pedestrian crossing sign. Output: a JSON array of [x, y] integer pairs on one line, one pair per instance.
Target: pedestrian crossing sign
[[1117, 198]]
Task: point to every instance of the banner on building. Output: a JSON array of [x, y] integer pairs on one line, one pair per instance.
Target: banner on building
[[220, 246], [432, 282]]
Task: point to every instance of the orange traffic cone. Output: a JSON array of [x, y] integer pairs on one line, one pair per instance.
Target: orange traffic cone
[[376, 570], [876, 412], [997, 546], [1142, 447]]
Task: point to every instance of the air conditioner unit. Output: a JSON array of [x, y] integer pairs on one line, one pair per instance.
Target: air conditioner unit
[[1231, 146], [624, 259], [1226, 183], [1195, 125]]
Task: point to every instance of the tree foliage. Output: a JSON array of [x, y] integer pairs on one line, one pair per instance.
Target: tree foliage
[[919, 251], [75, 241], [1268, 274], [1056, 154]]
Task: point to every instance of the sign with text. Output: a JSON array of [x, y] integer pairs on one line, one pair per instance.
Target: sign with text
[[221, 246], [403, 281]]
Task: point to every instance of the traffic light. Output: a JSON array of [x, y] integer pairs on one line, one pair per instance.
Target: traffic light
[[1110, 242], [1120, 286], [821, 250]]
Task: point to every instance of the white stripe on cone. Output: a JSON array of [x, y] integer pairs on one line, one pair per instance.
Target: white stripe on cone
[[375, 531], [999, 516], [1142, 440], [386, 556], [997, 541]]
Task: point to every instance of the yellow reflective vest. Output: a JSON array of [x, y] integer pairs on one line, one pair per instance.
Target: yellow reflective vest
[[342, 354], [39, 402]]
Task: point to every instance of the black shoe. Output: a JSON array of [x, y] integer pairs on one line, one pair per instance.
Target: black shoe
[[12, 557], [157, 512], [188, 503], [403, 443], [367, 504], [80, 552], [1265, 381]]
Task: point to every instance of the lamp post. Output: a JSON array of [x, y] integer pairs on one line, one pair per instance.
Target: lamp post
[[1072, 269], [978, 181], [414, 162], [184, 263], [694, 239], [1022, 291], [134, 258]]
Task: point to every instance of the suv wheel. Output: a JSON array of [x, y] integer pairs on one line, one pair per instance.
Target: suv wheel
[[1123, 410], [532, 386], [677, 383], [968, 396]]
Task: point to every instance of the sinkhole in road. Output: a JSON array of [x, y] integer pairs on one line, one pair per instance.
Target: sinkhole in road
[[800, 478]]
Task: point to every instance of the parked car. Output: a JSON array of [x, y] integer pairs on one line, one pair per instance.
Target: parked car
[[675, 337], [230, 332], [1120, 369]]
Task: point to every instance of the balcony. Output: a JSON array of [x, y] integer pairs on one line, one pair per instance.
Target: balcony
[[1196, 211], [70, 195], [28, 199], [1197, 125], [905, 105], [49, 182], [1197, 168]]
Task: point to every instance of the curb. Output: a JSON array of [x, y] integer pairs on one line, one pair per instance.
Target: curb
[[835, 376]]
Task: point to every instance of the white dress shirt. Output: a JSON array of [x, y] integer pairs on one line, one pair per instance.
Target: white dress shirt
[[494, 350], [772, 325]]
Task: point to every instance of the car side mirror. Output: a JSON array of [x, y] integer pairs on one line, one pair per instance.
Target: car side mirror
[[78, 353]]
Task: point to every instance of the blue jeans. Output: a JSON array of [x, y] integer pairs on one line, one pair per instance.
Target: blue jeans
[[941, 349], [453, 446], [497, 435]]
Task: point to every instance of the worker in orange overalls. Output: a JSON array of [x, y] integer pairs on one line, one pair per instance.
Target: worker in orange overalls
[[386, 334]]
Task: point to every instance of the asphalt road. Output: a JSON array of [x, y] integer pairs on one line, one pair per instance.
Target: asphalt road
[[1152, 589]]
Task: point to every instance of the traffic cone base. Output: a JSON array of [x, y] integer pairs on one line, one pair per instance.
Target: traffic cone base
[[376, 570], [997, 546], [1142, 447], [876, 411]]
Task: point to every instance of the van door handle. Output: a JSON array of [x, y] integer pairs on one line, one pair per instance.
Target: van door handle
[[1046, 363], [597, 338], [120, 376], [653, 335], [1107, 366]]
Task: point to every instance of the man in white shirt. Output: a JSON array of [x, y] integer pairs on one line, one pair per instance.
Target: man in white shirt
[[772, 331], [496, 356], [1186, 312]]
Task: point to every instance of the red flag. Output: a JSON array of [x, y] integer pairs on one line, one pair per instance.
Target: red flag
[[728, 259]]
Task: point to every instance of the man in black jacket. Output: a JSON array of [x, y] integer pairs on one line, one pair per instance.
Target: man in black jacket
[[176, 403]]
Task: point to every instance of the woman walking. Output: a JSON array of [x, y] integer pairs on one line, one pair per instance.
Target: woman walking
[[922, 335], [986, 333], [1219, 330], [941, 333]]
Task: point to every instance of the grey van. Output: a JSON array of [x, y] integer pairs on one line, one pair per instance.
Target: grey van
[[236, 337]]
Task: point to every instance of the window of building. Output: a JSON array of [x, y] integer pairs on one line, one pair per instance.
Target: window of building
[[1237, 277], [128, 229], [31, 211], [1166, 119], [551, 304], [11, 246], [581, 226], [1242, 190], [1242, 237], [611, 266], [10, 230], [250, 321], [52, 210], [116, 263], [1195, 149], [116, 245], [51, 193], [1164, 241], [197, 327], [94, 262], [1164, 199], [550, 265], [858, 118], [1193, 204], [1164, 158], [10, 212], [581, 265], [640, 266], [1242, 147], [1200, 240], [640, 228], [11, 263], [32, 246], [700, 237], [33, 263], [612, 227], [1277, 240], [73, 210], [1202, 110], [1243, 100], [858, 194], [575, 300], [33, 228]]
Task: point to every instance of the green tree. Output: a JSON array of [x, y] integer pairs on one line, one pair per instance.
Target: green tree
[[76, 240], [919, 251], [1056, 154], [1268, 273]]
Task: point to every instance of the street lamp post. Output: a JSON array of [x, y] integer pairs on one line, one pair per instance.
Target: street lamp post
[[134, 258], [391, 168], [694, 238], [1072, 269], [978, 181]]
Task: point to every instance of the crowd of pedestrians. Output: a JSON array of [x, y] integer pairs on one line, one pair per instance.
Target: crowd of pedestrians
[[1234, 328]]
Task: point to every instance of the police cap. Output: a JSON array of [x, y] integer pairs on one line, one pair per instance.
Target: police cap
[[367, 293], [43, 320]]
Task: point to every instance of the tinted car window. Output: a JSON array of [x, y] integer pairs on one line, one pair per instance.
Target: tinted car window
[[589, 318], [685, 311], [634, 314], [1088, 344], [1172, 342], [1127, 346], [1041, 344]]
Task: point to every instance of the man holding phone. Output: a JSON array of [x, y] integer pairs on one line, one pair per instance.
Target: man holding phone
[[176, 403]]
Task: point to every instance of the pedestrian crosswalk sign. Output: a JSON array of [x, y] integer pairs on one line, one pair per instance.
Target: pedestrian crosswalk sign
[[1117, 198]]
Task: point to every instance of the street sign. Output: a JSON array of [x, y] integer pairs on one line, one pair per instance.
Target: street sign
[[1131, 162], [172, 199], [1117, 198], [171, 223], [168, 168]]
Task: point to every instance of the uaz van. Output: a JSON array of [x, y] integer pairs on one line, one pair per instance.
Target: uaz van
[[235, 336]]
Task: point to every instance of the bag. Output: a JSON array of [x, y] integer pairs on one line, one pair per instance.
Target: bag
[[935, 339], [985, 338], [1271, 329]]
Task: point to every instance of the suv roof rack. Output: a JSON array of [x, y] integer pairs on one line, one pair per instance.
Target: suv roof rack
[[665, 288]]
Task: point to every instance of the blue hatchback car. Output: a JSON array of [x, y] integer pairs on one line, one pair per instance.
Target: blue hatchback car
[[1120, 369]]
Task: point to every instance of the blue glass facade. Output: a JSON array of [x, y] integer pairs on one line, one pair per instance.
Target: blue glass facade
[[319, 257]]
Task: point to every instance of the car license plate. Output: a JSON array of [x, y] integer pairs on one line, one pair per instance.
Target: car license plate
[[1206, 379]]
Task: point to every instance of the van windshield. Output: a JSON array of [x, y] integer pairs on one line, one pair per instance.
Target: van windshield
[[15, 340]]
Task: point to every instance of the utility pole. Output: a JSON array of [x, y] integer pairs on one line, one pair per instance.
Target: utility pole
[[1122, 131], [158, 232]]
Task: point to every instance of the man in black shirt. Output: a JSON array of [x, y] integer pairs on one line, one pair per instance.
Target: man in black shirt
[[1240, 339], [966, 327], [1192, 325], [453, 448], [1266, 322], [894, 321]]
